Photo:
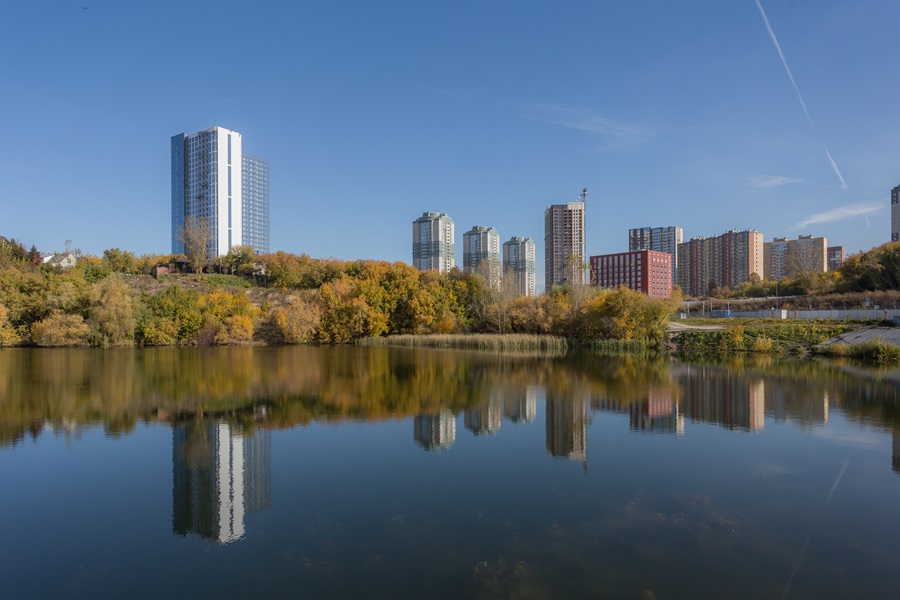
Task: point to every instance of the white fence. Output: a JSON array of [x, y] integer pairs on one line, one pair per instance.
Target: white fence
[[870, 314]]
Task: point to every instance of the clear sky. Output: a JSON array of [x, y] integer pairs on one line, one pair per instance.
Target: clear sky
[[371, 113]]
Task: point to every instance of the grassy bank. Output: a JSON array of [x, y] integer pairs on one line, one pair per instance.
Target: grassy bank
[[767, 336]]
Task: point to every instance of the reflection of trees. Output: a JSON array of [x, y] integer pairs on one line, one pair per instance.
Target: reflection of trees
[[119, 388]]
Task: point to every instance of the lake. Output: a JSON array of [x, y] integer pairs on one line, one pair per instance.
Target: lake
[[394, 473]]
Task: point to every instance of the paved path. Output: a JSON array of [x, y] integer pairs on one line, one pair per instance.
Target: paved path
[[867, 334], [675, 327]]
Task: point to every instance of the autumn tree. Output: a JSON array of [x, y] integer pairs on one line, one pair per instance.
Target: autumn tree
[[296, 322], [195, 236], [111, 318]]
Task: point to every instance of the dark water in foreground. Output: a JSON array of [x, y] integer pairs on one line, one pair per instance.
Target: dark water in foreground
[[352, 472]]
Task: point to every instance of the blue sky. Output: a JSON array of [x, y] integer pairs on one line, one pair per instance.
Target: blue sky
[[671, 113]]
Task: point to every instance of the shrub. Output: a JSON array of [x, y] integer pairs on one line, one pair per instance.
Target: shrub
[[60, 330]]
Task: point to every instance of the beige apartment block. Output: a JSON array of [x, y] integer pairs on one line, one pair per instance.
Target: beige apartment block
[[788, 259], [564, 255]]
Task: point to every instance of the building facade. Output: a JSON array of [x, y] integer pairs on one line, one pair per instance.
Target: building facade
[[787, 259], [564, 253], [432, 243], [835, 257], [518, 263], [255, 190], [645, 271], [724, 260], [208, 188], [481, 253], [895, 214], [659, 239]]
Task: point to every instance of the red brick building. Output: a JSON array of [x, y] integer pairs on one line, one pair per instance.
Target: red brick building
[[643, 270]]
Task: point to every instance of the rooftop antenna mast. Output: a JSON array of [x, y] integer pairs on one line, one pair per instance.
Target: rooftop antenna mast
[[583, 195]]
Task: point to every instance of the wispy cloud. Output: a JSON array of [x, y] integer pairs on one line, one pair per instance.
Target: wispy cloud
[[797, 91], [860, 209], [585, 119], [771, 181]]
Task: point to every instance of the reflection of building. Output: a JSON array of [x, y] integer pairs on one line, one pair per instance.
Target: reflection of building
[[718, 396], [567, 422], [219, 475], [435, 432], [895, 451], [658, 413], [521, 408], [484, 419]]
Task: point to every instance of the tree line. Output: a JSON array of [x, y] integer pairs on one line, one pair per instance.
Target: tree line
[[283, 298], [874, 270]]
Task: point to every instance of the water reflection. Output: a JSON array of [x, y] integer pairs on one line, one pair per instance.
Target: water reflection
[[435, 432], [219, 475], [65, 391]]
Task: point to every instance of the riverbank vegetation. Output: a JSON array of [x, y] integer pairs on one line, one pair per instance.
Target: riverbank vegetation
[[283, 298], [765, 336]]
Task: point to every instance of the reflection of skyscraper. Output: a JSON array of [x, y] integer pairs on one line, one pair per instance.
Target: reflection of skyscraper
[[718, 396], [567, 428], [521, 407], [658, 413], [485, 418], [435, 432], [219, 475], [895, 451]]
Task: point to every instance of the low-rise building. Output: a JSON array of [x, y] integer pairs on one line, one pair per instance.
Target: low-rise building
[[65, 260], [644, 271]]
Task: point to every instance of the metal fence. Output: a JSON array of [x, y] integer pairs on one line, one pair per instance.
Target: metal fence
[[863, 314]]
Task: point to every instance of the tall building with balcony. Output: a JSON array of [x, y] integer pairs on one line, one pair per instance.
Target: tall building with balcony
[[658, 239], [726, 260], [255, 190], [835, 257], [895, 214], [208, 187], [518, 263], [644, 271], [432, 243], [787, 259], [564, 255], [481, 253]]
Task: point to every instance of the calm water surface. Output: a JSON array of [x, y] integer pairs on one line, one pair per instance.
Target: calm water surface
[[353, 472]]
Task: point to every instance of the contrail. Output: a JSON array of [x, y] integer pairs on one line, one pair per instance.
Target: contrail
[[797, 90], [837, 482]]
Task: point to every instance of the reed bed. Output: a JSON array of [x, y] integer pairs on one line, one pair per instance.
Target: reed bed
[[513, 342], [878, 351]]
